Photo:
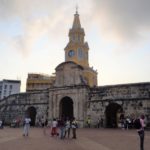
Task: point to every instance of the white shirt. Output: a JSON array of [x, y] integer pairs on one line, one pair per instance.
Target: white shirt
[[67, 124], [27, 120], [54, 124]]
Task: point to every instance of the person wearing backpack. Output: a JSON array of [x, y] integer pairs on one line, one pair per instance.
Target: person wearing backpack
[[141, 132]]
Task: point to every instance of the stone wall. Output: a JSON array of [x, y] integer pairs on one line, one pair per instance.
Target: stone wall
[[15, 106], [129, 99], [134, 99]]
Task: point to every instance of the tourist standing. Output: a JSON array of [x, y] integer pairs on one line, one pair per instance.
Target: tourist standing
[[141, 132], [61, 125], [43, 121], [44, 125], [26, 126], [54, 127], [88, 122], [98, 123], [67, 128], [74, 127]]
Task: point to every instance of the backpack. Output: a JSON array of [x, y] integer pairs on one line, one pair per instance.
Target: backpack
[[137, 124]]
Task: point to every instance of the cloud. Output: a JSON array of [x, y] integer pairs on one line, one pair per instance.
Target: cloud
[[26, 8], [38, 18], [123, 20], [119, 21]]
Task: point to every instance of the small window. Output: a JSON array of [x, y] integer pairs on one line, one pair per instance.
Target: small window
[[10, 87], [5, 87], [4, 92]]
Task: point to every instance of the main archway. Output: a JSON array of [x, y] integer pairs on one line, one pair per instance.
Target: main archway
[[66, 108], [111, 115], [31, 112]]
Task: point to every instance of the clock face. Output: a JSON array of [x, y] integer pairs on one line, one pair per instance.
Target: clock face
[[71, 53]]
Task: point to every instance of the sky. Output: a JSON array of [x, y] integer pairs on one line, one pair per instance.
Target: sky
[[33, 35]]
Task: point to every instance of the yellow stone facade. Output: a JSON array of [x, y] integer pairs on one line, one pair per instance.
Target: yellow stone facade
[[77, 50], [39, 81]]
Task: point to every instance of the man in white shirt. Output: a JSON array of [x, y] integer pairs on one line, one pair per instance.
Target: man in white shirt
[[26, 126]]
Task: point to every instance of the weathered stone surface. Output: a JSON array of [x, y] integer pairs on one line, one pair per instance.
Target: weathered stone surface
[[15, 106], [132, 98]]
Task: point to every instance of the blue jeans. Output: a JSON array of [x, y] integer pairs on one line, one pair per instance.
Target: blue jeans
[[62, 132]]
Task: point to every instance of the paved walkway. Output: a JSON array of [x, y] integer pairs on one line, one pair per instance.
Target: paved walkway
[[87, 139]]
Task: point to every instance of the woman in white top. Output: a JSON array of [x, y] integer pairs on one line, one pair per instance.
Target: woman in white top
[[54, 127]]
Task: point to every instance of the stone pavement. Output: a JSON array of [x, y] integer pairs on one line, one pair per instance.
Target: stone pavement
[[87, 139]]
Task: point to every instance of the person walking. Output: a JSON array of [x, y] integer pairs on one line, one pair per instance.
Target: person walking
[[26, 126], [141, 132]]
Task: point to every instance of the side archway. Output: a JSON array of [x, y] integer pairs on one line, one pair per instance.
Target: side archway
[[111, 114], [66, 108], [31, 111]]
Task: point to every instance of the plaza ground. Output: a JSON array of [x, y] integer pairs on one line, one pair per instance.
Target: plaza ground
[[87, 139]]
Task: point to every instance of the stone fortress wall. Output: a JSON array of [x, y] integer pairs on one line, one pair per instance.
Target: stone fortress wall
[[97, 102], [132, 100], [16, 106]]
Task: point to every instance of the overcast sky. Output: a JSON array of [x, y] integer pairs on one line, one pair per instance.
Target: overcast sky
[[33, 35]]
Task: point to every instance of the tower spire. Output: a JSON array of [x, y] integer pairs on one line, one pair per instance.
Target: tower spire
[[76, 21], [76, 8]]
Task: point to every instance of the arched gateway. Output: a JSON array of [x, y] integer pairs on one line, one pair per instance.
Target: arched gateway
[[66, 108], [31, 111], [112, 111]]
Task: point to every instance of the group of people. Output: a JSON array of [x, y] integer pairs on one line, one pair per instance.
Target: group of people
[[62, 128], [126, 122]]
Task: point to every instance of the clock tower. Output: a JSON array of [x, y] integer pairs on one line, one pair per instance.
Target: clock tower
[[77, 51]]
